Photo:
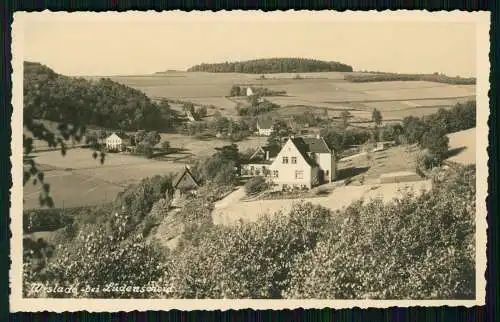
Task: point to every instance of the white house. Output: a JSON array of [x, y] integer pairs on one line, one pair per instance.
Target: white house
[[114, 142], [249, 91], [190, 116], [258, 164], [265, 127], [304, 163]]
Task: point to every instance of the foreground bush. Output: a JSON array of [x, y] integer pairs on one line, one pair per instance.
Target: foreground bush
[[255, 185], [251, 260], [99, 257], [412, 248], [415, 247]]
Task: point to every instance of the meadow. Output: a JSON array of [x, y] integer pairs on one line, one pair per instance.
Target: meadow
[[395, 99], [77, 179]]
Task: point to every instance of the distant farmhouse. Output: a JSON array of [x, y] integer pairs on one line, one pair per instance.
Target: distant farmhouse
[[114, 143], [304, 162], [249, 91], [190, 116], [265, 127]]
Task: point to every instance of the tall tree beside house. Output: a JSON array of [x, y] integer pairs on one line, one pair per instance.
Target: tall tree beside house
[[345, 115], [235, 91], [139, 136], [189, 107], [230, 153], [333, 139], [152, 138], [165, 145], [377, 120], [376, 117], [436, 142], [280, 130]]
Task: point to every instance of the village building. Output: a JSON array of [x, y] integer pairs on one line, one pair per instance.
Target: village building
[[185, 185], [258, 164], [265, 127], [114, 143], [304, 162], [190, 116], [249, 91]]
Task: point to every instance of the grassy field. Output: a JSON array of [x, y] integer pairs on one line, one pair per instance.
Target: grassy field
[[77, 179], [370, 166], [395, 99]]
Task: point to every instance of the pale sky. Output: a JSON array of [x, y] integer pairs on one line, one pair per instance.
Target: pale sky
[[125, 44]]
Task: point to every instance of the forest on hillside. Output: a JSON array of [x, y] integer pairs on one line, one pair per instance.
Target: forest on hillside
[[105, 103], [273, 65], [387, 77]]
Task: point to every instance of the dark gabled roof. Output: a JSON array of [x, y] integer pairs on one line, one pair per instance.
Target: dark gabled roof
[[303, 149], [310, 145], [265, 123], [181, 175], [316, 145], [273, 151]]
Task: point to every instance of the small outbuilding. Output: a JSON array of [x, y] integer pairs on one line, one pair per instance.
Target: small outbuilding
[[185, 185]]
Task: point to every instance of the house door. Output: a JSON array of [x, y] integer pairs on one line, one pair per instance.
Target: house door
[[321, 174]]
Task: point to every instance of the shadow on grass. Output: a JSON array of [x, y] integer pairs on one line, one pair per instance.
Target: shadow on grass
[[170, 151], [455, 151], [350, 172]]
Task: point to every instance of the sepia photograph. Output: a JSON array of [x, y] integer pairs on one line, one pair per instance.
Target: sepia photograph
[[292, 156]]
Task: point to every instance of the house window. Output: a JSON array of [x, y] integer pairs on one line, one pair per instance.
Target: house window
[[299, 174], [294, 160], [327, 173], [275, 173], [285, 160]]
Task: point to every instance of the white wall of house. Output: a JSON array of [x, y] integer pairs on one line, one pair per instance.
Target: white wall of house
[[290, 168], [324, 161], [114, 142], [265, 132], [255, 169]]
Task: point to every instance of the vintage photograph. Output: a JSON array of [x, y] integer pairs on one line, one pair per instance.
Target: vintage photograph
[[251, 155]]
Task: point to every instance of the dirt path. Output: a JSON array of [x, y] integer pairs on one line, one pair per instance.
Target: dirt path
[[230, 210]]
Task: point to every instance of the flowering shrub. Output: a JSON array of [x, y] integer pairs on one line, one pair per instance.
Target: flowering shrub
[[255, 185], [101, 256], [251, 260], [414, 247]]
